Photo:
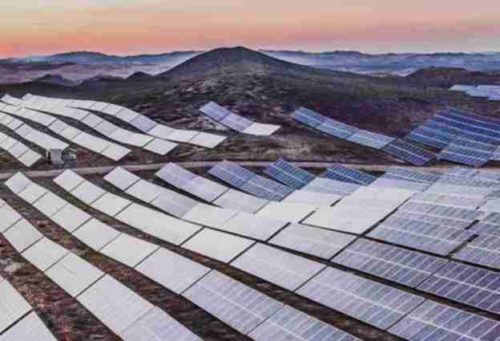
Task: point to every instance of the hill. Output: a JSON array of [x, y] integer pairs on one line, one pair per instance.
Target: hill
[[237, 60]]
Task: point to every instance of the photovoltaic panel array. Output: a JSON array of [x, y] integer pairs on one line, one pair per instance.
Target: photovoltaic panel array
[[30, 134], [466, 284], [467, 152], [239, 306], [329, 186], [348, 174], [485, 248], [374, 303], [464, 137], [93, 143], [190, 182], [278, 267], [249, 182], [395, 147], [289, 174], [421, 235], [435, 321], [360, 210], [19, 150], [103, 127], [136, 120], [408, 152], [311, 240], [236, 122], [410, 175], [393, 263], [291, 324]]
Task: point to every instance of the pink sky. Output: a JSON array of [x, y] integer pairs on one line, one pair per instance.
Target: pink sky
[[31, 27]]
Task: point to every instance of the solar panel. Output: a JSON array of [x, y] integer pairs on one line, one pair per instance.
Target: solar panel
[[128, 250], [260, 129], [429, 136], [30, 327], [370, 139], [208, 215], [232, 302], [420, 235], [457, 213], [95, 234], [22, 235], [448, 200], [121, 178], [399, 183], [360, 210], [236, 122], [458, 152], [278, 267], [289, 174], [9, 216], [157, 224], [348, 174], [173, 271], [253, 226], [231, 173], [336, 129], [323, 185], [114, 304], [466, 284], [432, 321], [316, 199], [44, 254], [12, 305], [240, 201], [73, 274], [313, 241], [17, 182], [286, 211], [292, 324], [248, 181], [408, 152], [217, 245], [411, 175], [393, 263], [158, 325], [111, 204], [308, 117], [214, 111], [374, 303], [266, 188]]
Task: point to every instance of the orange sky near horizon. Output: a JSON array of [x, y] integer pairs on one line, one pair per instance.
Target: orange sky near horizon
[[34, 27]]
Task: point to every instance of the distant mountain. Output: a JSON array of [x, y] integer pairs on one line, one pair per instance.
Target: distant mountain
[[238, 60], [447, 77], [56, 80], [85, 57], [390, 63]]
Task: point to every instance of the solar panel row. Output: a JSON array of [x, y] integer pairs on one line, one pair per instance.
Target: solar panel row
[[348, 174], [93, 143], [236, 122], [289, 174], [137, 120], [18, 150], [249, 182], [106, 128], [225, 298], [395, 147]]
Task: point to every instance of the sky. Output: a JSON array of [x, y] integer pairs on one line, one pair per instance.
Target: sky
[[37, 27]]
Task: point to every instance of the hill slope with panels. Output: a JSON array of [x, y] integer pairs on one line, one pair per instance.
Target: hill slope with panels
[[208, 253]]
